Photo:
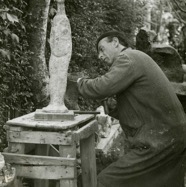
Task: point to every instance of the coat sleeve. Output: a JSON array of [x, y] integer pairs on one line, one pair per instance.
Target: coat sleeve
[[120, 77]]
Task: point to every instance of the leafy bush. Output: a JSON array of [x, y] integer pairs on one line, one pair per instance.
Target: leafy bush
[[16, 72]]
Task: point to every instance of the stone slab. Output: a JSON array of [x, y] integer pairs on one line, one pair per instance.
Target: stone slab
[[28, 121], [46, 116], [105, 143]]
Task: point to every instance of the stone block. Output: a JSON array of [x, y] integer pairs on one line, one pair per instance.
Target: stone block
[[45, 116]]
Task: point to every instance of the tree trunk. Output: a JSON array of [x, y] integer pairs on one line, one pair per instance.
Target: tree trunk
[[37, 42], [148, 16]]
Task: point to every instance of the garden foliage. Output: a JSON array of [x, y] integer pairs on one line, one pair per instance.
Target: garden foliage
[[15, 70]]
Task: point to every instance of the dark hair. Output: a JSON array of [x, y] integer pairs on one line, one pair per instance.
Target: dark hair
[[110, 35]]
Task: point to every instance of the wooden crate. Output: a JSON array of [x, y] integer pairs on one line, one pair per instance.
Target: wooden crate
[[50, 163]]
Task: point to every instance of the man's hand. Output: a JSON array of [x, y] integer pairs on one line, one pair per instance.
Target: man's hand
[[109, 104], [112, 103], [78, 80]]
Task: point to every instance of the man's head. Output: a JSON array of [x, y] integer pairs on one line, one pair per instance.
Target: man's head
[[109, 45]]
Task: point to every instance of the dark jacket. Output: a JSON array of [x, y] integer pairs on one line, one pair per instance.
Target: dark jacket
[[148, 109]]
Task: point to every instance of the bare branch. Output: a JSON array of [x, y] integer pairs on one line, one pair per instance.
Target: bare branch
[[179, 18], [179, 7], [176, 13]]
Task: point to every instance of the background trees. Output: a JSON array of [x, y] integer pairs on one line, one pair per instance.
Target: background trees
[[37, 17], [179, 11]]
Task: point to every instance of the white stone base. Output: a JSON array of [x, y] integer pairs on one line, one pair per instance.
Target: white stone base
[[105, 143], [45, 116]]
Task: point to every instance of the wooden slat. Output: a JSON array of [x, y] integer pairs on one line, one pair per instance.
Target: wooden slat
[[18, 148], [38, 137], [69, 152], [46, 172], [105, 143], [14, 128], [38, 160], [85, 131]]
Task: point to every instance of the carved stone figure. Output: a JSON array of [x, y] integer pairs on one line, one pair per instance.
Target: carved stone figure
[[61, 50], [104, 123]]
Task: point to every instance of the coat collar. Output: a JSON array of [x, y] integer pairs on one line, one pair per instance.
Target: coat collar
[[120, 54]]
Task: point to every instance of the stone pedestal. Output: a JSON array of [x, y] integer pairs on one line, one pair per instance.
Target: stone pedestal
[[45, 116]]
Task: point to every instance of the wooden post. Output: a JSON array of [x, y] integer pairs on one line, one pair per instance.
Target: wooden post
[[69, 152], [88, 161], [16, 148], [41, 150]]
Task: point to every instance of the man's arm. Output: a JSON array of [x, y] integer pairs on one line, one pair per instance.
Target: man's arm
[[119, 78]]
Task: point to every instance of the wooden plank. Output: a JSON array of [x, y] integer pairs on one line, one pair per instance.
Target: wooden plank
[[85, 131], [20, 149], [68, 152], [28, 121], [38, 137], [68, 183], [16, 147], [88, 162], [21, 159], [105, 143], [13, 128], [46, 172]]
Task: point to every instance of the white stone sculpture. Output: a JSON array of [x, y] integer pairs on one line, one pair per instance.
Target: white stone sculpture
[[104, 123], [61, 50]]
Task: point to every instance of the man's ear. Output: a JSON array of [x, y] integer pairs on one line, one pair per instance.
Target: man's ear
[[115, 41]]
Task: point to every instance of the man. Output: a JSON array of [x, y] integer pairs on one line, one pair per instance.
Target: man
[[150, 115]]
